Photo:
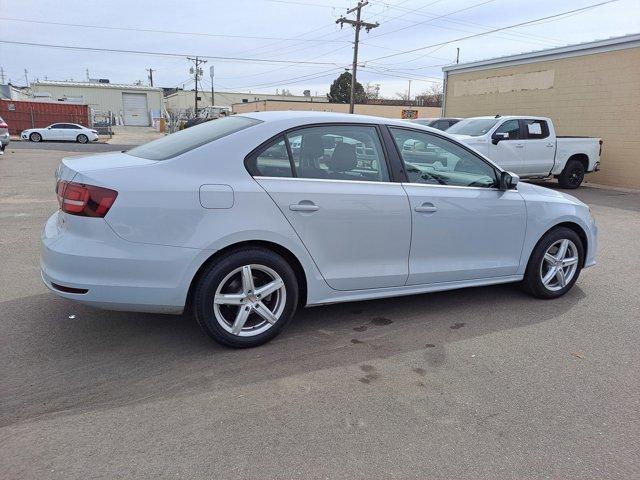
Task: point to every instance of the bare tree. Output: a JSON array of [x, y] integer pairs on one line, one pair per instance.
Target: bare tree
[[432, 95], [371, 91], [404, 95]]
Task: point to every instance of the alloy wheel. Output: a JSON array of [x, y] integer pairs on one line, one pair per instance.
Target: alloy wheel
[[559, 264], [249, 300]]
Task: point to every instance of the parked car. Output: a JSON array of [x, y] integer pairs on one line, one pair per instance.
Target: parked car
[[439, 123], [529, 147], [225, 218], [71, 132], [4, 135]]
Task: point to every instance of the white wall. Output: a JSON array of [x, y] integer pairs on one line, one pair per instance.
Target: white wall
[[184, 99], [100, 98]]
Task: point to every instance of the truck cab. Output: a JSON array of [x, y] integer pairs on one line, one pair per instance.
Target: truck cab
[[528, 146]]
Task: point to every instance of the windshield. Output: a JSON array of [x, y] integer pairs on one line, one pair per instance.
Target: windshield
[[190, 138], [474, 127]]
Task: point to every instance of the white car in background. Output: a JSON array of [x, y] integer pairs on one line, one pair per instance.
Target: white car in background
[[227, 218], [70, 132]]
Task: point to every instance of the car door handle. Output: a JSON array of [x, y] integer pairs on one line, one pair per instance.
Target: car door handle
[[549, 144], [304, 207], [426, 207], [519, 145]]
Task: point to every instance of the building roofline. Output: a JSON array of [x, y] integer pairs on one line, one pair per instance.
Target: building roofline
[[224, 92], [52, 83], [587, 48], [332, 103]]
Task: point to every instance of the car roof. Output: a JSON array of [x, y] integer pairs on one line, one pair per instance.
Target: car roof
[[506, 117], [298, 117]]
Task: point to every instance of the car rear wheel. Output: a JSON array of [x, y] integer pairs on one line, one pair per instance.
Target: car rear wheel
[[246, 298], [572, 175], [82, 138], [35, 137], [555, 264]]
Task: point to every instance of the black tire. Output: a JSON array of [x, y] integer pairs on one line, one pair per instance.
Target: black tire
[[532, 282], [35, 137], [82, 138], [572, 175], [218, 271]]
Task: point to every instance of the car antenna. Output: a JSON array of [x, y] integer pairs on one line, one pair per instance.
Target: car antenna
[[497, 116]]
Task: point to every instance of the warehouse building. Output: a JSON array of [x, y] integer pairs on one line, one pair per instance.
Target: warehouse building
[[388, 111], [590, 89], [184, 99], [134, 105]]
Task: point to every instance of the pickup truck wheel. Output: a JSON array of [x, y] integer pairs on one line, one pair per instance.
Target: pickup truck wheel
[[555, 264], [572, 175]]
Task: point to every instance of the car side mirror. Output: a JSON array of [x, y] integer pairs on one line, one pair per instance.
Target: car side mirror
[[508, 180], [496, 137]]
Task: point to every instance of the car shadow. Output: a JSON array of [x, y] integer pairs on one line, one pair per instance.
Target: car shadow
[[61, 357]]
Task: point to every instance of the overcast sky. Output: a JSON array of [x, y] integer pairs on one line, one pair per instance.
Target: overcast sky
[[309, 26]]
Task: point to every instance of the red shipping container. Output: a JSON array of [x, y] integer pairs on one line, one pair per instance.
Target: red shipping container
[[21, 115]]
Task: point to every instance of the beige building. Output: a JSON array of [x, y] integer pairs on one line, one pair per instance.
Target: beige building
[[590, 89], [388, 111], [184, 99], [134, 105]]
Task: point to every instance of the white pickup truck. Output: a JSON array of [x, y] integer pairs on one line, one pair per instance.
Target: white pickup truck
[[529, 147]]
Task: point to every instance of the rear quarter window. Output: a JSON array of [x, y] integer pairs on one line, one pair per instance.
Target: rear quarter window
[[192, 137]]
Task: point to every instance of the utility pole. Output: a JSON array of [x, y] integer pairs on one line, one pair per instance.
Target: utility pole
[[457, 55], [150, 70], [211, 72], [357, 24], [26, 77], [409, 92], [87, 70], [196, 71], [2, 75]]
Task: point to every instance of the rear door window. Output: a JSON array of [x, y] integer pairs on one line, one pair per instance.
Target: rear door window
[[536, 129], [338, 152]]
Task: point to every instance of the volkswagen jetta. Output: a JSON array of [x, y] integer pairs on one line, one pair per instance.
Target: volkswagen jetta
[[228, 218]]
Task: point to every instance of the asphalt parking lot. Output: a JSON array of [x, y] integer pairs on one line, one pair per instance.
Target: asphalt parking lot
[[478, 383]]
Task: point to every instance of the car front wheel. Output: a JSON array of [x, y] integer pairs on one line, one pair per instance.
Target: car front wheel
[[555, 264], [82, 138], [246, 298], [35, 137]]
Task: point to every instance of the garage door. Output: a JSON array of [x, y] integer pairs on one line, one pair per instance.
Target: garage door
[[135, 109]]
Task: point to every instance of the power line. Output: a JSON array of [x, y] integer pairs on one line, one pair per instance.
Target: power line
[[473, 24], [164, 54], [529, 22], [434, 18], [170, 32]]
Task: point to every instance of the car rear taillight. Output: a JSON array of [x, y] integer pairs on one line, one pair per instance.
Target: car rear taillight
[[84, 200], [3, 125]]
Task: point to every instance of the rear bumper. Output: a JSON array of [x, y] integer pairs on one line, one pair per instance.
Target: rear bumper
[[116, 274]]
